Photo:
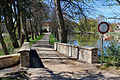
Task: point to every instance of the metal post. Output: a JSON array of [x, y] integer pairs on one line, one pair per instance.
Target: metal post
[[102, 55], [102, 42]]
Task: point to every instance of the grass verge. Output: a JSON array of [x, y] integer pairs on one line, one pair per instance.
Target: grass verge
[[11, 49], [9, 46], [35, 40], [52, 39]]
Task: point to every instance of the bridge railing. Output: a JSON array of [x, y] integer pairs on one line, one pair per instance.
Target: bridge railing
[[9, 60], [86, 54], [25, 55]]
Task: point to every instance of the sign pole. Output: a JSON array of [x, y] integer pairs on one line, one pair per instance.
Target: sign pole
[[102, 42], [102, 50], [103, 28]]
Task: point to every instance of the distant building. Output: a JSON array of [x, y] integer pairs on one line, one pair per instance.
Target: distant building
[[46, 26], [117, 28]]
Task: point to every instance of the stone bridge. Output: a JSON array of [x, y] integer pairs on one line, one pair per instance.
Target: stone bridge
[[61, 62], [64, 62]]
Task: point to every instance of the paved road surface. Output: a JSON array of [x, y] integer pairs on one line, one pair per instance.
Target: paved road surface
[[60, 67]]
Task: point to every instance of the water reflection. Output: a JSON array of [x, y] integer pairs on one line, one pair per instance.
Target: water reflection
[[91, 40], [84, 40], [74, 42]]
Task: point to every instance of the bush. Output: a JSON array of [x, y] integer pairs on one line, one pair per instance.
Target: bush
[[113, 54], [52, 39]]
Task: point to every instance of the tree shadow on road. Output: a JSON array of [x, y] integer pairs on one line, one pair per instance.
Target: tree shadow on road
[[19, 75], [86, 75], [45, 45], [65, 75]]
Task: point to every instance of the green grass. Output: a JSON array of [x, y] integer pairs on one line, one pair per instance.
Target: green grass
[[106, 64], [2, 52], [116, 67], [35, 40], [11, 48], [52, 39], [8, 44]]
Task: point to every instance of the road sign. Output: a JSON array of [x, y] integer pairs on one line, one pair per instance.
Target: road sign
[[103, 27]]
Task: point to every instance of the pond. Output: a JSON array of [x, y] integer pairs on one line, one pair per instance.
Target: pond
[[91, 40]]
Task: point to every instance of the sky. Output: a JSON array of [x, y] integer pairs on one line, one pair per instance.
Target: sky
[[111, 10]]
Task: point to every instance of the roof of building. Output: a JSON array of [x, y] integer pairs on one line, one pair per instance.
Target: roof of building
[[46, 24]]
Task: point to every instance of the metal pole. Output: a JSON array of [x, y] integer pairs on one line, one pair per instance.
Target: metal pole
[[102, 55], [102, 42]]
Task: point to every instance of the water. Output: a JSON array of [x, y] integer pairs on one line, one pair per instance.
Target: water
[[84, 40], [91, 40], [74, 42]]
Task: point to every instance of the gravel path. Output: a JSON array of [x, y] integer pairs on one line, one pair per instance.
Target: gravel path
[[57, 67]]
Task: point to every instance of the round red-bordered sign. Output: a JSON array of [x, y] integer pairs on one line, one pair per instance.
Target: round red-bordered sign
[[103, 27]]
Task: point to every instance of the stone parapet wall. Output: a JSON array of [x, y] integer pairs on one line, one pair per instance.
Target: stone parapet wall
[[9, 60], [25, 55], [86, 54]]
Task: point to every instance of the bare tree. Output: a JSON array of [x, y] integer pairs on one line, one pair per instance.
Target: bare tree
[[1, 38], [69, 9], [8, 16], [61, 26]]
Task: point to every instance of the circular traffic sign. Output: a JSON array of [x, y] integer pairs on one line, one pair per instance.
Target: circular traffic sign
[[103, 27]]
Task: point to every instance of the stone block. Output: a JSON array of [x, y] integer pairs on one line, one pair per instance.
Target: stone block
[[24, 59], [24, 55], [55, 46], [73, 51], [9, 60], [67, 50], [70, 51], [94, 57], [87, 54]]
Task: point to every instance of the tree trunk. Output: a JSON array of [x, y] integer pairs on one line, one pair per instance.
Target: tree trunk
[[57, 36], [39, 29], [10, 28], [36, 29], [61, 27], [19, 24], [24, 26], [1, 38], [32, 31]]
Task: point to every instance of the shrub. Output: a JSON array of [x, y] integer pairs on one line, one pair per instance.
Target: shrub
[[52, 39], [113, 54]]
